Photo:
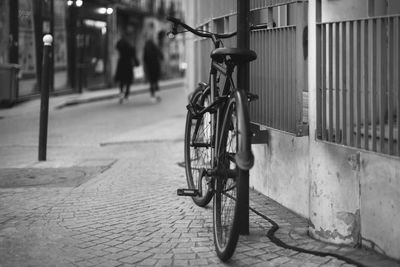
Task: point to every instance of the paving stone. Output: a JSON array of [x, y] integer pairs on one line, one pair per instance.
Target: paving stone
[[180, 262], [280, 261], [113, 220], [184, 256]]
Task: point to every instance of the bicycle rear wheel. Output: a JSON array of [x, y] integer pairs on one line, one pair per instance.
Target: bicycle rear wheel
[[228, 196], [198, 149]]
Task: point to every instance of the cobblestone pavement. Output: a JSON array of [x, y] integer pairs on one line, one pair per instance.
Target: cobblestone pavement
[[128, 214]]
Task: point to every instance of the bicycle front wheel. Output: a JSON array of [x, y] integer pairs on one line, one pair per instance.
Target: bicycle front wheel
[[228, 201], [198, 148]]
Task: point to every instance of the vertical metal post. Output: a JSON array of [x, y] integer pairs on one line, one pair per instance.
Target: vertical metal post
[[243, 36], [14, 25], [80, 45], [44, 100]]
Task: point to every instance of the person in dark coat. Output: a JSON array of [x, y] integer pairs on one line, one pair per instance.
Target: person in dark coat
[[126, 61], [152, 57]]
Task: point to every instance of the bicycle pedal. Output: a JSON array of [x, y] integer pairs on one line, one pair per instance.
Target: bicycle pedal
[[188, 192]]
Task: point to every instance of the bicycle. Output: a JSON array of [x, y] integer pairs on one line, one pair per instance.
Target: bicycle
[[217, 142]]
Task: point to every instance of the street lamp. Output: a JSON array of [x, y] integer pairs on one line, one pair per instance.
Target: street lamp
[[104, 10], [78, 3]]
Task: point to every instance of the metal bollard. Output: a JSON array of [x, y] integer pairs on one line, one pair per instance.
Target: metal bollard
[[44, 99]]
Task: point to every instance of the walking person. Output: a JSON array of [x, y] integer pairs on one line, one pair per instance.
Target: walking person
[[126, 61], [152, 57]]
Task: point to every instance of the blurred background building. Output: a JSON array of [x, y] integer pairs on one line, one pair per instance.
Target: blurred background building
[[85, 33]]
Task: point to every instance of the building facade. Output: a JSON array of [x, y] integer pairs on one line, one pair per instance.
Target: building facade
[[84, 36], [80, 38], [327, 118]]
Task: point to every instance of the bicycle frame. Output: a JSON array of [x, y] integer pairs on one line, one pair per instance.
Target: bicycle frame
[[219, 99], [216, 108]]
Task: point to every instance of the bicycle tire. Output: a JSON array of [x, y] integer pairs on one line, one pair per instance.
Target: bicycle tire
[[198, 158], [228, 197]]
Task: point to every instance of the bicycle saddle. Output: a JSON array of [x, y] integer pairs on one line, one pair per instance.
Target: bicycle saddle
[[238, 55]]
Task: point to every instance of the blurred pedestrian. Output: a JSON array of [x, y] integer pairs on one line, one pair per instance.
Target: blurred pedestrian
[[152, 57], [126, 61]]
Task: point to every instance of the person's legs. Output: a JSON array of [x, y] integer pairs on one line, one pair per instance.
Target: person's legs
[[156, 89], [121, 87], [121, 92], [128, 86], [153, 92], [152, 89]]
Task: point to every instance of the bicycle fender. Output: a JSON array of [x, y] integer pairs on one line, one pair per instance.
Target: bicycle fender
[[244, 157]]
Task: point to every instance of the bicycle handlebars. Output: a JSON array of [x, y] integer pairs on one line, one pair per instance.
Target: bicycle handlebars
[[177, 22]]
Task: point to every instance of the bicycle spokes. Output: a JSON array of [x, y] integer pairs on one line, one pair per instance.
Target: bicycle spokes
[[225, 205], [198, 150]]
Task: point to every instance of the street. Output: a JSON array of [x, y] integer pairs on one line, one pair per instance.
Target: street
[[106, 196]]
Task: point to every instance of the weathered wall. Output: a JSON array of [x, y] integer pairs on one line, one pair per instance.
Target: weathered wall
[[354, 194], [281, 171], [380, 203], [355, 197], [334, 195]]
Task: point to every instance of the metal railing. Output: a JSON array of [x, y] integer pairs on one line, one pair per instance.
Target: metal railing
[[279, 75], [358, 91], [273, 78], [203, 48]]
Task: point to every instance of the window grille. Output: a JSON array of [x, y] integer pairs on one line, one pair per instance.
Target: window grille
[[358, 92], [279, 75]]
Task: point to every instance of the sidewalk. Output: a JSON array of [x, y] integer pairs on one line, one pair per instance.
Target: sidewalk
[[117, 206], [286, 230], [62, 101], [90, 96]]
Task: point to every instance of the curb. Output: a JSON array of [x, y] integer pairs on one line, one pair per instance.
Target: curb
[[73, 102]]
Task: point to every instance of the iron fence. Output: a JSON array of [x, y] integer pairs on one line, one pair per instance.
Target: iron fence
[[273, 78], [358, 98], [279, 74]]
